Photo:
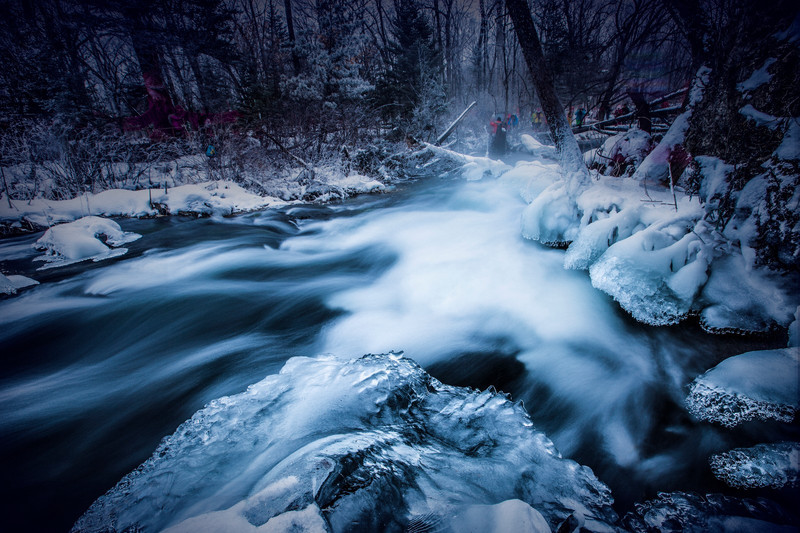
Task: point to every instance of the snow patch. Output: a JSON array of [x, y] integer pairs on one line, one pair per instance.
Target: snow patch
[[758, 77], [789, 149], [760, 118]]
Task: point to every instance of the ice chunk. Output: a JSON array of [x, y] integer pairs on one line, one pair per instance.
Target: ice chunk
[[11, 284], [751, 386], [655, 273], [531, 178], [372, 441], [81, 240], [764, 465], [713, 513]]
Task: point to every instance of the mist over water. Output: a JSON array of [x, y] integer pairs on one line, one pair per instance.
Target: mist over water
[[101, 361]]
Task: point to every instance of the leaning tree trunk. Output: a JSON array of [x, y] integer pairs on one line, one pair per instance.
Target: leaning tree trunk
[[569, 154]]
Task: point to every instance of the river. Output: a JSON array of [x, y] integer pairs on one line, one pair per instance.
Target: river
[[103, 360]]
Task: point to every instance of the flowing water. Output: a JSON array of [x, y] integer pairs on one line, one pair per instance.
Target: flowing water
[[102, 360]]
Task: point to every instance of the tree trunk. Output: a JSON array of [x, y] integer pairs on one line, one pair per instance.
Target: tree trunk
[[569, 154], [290, 30]]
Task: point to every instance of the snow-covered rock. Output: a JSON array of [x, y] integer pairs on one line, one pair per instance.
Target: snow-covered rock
[[764, 465], [623, 150], [756, 385], [80, 240], [361, 439], [14, 282]]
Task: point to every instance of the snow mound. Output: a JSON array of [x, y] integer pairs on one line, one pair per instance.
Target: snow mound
[[207, 198], [373, 441], [11, 284], [531, 178], [756, 385], [655, 273], [764, 465], [713, 513], [755, 303], [80, 240], [623, 150]]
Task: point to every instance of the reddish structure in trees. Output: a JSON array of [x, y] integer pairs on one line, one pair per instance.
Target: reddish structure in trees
[[166, 118]]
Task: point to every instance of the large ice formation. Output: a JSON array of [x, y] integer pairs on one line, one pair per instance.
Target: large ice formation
[[374, 441]]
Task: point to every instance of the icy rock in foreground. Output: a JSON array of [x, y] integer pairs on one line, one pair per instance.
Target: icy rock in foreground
[[691, 513], [373, 444], [80, 240], [752, 386], [764, 465]]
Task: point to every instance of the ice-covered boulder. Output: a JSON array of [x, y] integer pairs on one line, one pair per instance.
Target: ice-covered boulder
[[374, 441], [89, 237], [682, 512], [756, 385], [11, 284], [655, 273], [764, 465]]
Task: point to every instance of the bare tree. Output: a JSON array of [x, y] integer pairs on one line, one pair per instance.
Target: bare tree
[[570, 155]]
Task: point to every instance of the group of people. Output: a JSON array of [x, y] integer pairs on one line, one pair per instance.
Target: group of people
[[499, 127]]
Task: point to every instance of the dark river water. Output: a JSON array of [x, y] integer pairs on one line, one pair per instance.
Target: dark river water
[[102, 360]]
